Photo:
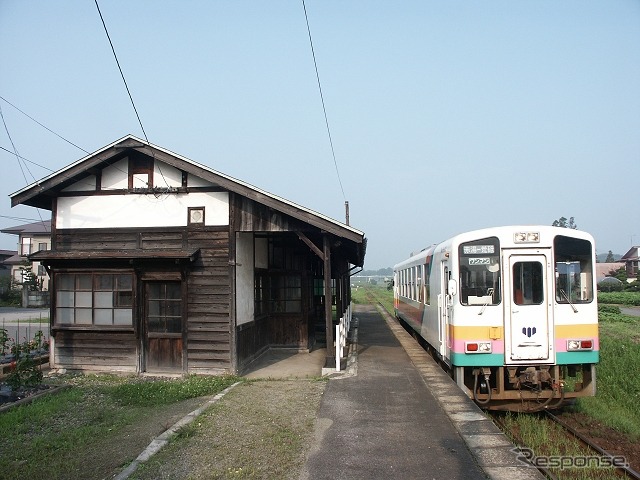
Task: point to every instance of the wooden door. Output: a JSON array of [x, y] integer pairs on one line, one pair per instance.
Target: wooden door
[[163, 327]]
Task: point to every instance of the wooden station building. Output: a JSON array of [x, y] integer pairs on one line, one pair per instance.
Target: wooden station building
[[159, 264]]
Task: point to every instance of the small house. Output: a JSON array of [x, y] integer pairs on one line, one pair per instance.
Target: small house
[[630, 260], [159, 264], [32, 237]]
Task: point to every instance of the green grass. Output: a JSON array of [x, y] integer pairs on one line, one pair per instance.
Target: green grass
[[367, 293], [620, 298], [548, 440], [155, 393], [617, 380], [94, 427]]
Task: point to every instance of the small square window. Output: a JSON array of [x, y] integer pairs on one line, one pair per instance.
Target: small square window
[[196, 216]]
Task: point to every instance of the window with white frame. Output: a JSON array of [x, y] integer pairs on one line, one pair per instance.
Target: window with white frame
[[25, 246]]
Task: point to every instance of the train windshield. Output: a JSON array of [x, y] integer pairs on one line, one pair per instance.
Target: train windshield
[[574, 270], [480, 272]]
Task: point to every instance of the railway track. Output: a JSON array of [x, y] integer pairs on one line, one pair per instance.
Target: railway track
[[624, 470], [558, 467]]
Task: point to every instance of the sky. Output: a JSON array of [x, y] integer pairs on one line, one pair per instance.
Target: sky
[[445, 116]]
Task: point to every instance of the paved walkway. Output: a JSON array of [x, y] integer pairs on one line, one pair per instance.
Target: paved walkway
[[384, 422]]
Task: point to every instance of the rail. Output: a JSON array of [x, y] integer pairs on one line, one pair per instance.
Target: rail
[[624, 470], [342, 330]]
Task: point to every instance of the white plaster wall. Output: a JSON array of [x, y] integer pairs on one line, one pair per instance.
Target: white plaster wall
[[86, 184], [193, 181], [166, 176], [140, 210], [116, 176], [244, 278]]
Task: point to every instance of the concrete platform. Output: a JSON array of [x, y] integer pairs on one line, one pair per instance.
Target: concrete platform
[[287, 364], [393, 413]]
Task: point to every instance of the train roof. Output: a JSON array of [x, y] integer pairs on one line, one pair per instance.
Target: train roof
[[506, 234]]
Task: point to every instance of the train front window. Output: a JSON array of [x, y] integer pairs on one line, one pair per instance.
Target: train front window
[[480, 272], [573, 270], [528, 283]]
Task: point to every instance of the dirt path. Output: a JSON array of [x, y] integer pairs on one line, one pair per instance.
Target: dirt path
[[259, 430]]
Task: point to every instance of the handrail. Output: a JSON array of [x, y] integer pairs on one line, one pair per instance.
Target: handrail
[[342, 330]]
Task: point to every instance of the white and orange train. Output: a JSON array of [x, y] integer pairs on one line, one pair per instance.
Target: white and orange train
[[510, 312]]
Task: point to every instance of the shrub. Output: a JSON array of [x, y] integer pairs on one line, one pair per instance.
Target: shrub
[[25, 373], [609, 309], [619, 298]]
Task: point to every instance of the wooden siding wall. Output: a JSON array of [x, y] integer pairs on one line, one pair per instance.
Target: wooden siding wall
[[250, 216], [120, 239], [254, 338], [96, 351], [207, 312], [208, 327]]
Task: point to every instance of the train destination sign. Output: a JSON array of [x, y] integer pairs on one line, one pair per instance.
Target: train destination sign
[[478, 249]]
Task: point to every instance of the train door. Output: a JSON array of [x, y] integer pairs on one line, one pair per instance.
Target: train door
[[444, 311], [528, 312]]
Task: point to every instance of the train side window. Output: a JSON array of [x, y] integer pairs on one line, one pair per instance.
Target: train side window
[[425, 284]]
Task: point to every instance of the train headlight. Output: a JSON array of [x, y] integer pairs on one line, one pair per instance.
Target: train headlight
[[477, 347], [579, 345]]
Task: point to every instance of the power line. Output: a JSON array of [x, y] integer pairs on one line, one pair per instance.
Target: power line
[[19, 218], [128, 91], [64, 175], [44, 126], [326, 120], [15, 150]]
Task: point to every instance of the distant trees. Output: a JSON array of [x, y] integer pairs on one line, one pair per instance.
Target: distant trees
[[610, 258], [620, 274], [564, 223], [382, 272]]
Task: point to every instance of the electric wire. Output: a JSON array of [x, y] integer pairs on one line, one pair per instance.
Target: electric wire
[[69, 177], [43, 126], [15, 150], [129, 91], [326, 119], [19, 218]]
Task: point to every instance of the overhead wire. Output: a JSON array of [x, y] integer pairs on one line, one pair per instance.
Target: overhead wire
[[13, 145], [18, 157], [324, 109], [43, 126], [56, 134], [69, 177], [129, 91]]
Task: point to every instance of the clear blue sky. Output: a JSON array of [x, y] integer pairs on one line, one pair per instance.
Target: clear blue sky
[[446, 116]]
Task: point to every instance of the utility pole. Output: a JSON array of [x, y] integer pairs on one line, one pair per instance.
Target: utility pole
[[346, 209]]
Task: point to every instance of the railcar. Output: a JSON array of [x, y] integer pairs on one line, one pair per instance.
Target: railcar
[[511, 313]]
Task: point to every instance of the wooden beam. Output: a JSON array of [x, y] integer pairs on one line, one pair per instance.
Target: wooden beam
[[311, 245], [327, 299]]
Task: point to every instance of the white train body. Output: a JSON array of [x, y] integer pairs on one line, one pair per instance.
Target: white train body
[[510, 311]]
